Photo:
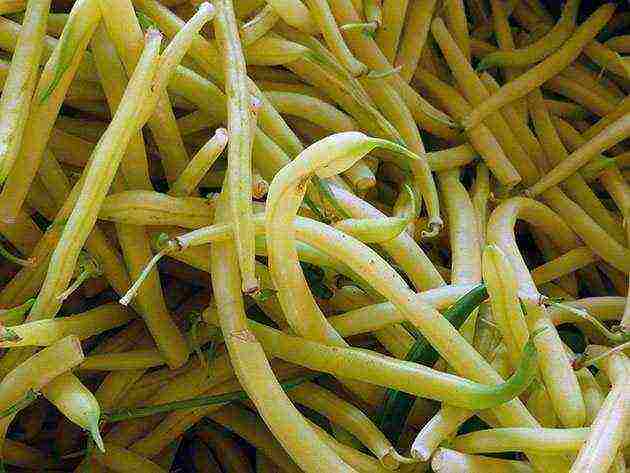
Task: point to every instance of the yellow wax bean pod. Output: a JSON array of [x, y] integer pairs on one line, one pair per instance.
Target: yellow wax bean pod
[[253, 371], [564, 264], [390, 28], [548, 128], [556, 370], [77, 403], [49, 95], [362, 365], [373, 230], [20, 83], [514, 439], [367, 51], [360, 177], [579, 92], [607, 431], [480, 197], [34, 373], [563, 109], [439, 427], [606, 58], [272, 85], [398, 113], [583, 152], [356, 459], [239, 173], [10, 32], [463, 236], [480, 137], [272, 50], [312, 109], [123, 28], [259, 25], [476, 93], [451, 461], [199, 165], [64, 257], [154, 208], [47, 332], [40, 369], [584, 226], [502, 287], [523, 134], [455, 16], [326, 22], [206, 55], [295, 14], [414, 36], [126, 360], [451, 157], [538, 404]]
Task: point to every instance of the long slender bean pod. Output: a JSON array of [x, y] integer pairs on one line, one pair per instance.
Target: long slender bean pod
[[199, 165], [351, 418], [451, 461], [53, 84], [414, 36], [607, 431], [547, 129], [36, 372], [260, 24], [388, 34], [47, 332], [565, 264], [360, 364], [515, 439], [77, 403], [554, 365], [253, 370], [239, 174], [97, 180], [506, 311], [20, 84]]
